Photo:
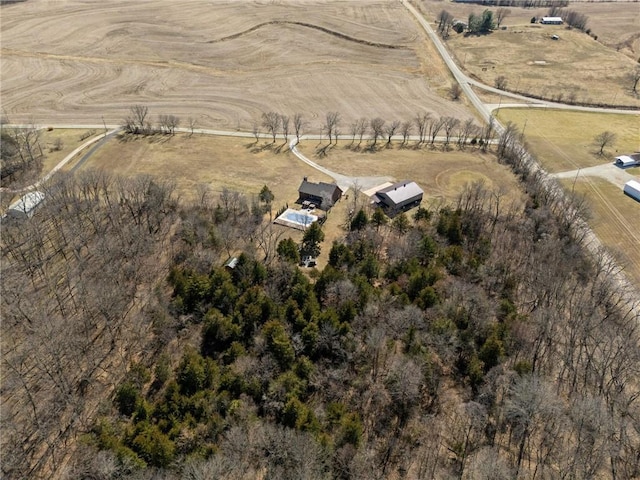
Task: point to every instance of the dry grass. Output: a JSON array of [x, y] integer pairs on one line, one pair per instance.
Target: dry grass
[[614, 220], [222, 63], [576, 67], [220, 162], [442, 175], [565, 140], [70, 138]]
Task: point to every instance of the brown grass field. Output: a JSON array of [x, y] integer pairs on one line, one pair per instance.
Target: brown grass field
[[576, 67], [222, 63], [442, 175], [236, 163], [614, 220], [564, 140]]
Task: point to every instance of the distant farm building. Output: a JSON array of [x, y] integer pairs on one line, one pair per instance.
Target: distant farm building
[[322, 195], [624, 161], [551, 20], [398, 197], [25, 207], [632, 188]]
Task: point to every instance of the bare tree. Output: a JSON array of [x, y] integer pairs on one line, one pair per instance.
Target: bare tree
[[634, 77], [465, 131], [271, 121], [377, 128], [444, 23], [501, 14], [168, 123], [192, 125], [422, 122], [284, 120], [405, 131], [361, 129], [435, 125], [604, 140], [139, 114], [298, 125], [500, 82], [390, 131], [455, 91], [332, 119], [450, 124]]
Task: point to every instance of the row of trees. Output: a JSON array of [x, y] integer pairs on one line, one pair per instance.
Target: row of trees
[[138, 122], [570, 17], [424, 127], [484, 23]]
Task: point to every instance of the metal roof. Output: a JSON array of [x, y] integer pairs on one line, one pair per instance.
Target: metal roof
[[402, 191], [317, 189], [27, 202]]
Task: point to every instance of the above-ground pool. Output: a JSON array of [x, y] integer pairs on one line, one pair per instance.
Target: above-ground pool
[[299, 219]]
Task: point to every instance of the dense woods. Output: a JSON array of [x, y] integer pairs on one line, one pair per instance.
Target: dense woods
[[474, 340]]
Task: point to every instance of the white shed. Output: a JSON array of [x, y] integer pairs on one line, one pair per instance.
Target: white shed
[[632, 188], [628, 160], [551, 20], [27, 204]]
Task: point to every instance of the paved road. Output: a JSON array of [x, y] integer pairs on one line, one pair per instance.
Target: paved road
[[609, 171]]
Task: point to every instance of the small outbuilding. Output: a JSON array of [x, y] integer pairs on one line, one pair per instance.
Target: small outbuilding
[[26, 206], [624, 161], [551, 20], [398, 197], [321, 194], [632, 188]]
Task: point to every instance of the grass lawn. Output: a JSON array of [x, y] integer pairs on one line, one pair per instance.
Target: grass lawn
[[219, 162], [614, 219], [565, 140], [442, 175]]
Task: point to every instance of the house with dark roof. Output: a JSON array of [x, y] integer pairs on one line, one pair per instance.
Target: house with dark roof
[[323, 195], [398, 197]]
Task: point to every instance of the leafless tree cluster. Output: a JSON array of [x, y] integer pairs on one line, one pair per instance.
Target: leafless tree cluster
[[570, 17], [137, 122], [20, 153], [75, 278], [275, 123]]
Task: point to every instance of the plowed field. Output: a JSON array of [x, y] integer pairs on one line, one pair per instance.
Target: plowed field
[[222, 63]]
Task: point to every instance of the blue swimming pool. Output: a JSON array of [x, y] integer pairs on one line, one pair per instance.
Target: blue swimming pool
[[299, 217]]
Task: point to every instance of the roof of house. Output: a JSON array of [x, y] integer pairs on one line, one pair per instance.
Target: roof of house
[[317, 189], [552, 19], [27, 202], [401, 191]]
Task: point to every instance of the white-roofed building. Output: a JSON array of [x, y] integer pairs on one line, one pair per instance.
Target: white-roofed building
[[628, 160], [632, 188], [551, 20], [399, 197], [27, 204]]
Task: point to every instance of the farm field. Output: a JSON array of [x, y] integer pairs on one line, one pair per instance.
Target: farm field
[[614, 219], [564, 140], [221, 63], [576, 67]]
